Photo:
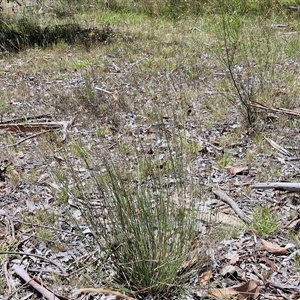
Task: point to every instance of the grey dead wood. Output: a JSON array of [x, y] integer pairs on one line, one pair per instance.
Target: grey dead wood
[[26, 119], [224, 197], [282, 186], [42, 290], [39, 127]]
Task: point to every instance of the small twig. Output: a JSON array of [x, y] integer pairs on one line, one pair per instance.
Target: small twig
[[44, 226], [38, 256], [297, 217], [114, 95], [103, 90], [277, 147], [27, 138], [295, 8], [224, 197], [273, 109], [37, 286], [24, 119], [33, 127]]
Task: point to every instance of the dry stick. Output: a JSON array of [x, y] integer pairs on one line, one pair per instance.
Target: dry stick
[[25, 119], [42, 290], [279, 110], [38, 256], [291, 221], [224, 197], [28, 138], [283, 186], [44, 226], [277, 147], [114, 95], [33, 127], [38, 126]]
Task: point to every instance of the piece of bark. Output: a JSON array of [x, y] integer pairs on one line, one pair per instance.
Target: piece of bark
[[224, 197], [31, 281], [282, 186]]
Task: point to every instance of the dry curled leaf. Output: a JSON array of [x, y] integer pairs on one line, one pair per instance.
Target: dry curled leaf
[[269, 262], [248, 290], [273, 247], [205, 277], [236, 170]]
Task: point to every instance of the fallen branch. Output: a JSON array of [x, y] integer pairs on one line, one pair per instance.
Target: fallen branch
[[35, 284], [279, 110], [25, 119], [281, 186], [27, 138], [32, 127], [224, 197], [39, 127]]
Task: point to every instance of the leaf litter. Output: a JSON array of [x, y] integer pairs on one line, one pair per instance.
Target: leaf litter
[[240, 267]]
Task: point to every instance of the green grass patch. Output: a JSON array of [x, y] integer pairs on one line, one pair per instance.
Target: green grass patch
[[264, 221]]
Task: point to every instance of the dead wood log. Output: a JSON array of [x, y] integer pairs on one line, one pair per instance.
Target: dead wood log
[[281, 186]]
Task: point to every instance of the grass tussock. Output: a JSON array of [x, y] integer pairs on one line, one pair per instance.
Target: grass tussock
[[144, 227]]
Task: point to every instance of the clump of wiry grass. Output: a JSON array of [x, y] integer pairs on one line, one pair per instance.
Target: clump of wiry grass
[[145, 227]]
